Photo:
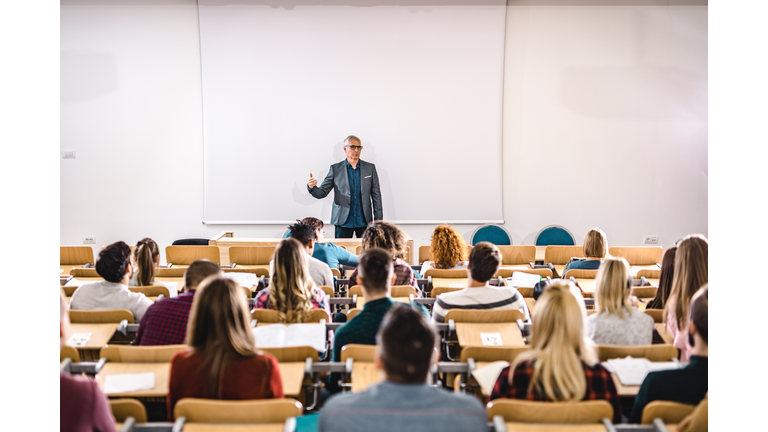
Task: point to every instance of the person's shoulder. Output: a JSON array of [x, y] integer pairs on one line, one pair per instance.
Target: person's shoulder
[[449, 399], [76, 385]]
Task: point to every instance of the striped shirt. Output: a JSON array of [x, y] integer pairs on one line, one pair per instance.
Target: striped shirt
[[479, 298]]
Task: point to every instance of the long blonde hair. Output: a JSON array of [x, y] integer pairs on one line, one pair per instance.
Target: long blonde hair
[[612, 287], [691, 273], [219, 328], [558, 346], [290, 292]]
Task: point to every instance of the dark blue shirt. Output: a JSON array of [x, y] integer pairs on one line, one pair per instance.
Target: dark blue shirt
[[355, 219]]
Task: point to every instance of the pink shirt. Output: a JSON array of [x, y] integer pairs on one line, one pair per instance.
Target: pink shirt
[[681, 336]]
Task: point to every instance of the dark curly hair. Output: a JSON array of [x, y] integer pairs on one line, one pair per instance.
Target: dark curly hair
[[113, 261]]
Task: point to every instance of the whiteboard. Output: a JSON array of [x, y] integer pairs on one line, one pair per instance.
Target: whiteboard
[[420, 85]]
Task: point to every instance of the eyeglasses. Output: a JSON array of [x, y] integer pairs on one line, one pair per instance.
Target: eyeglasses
[[358, 148]]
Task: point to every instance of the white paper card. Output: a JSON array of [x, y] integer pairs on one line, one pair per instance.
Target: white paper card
[[490, 338], [524, 280], [243, 279], [487, 375], [173, 288], [79, 339], [73, 283], [280, 335], [129, 382]]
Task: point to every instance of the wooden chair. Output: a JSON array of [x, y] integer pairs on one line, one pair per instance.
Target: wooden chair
[[656, 314], [425, 253], [364, 373], [293, 354], [140, 354], [251, 412], [100, 316], [68, 291], [127, 407], [74, 256], [258, 271], [560, 255], [649, 274], [186, 255], [352, 313], [505, 273], [271, 316], [654, 353], [488, 354], [517, 255], [84, 272], [699, 418], [396, 291], [581, 274], [669, 412], [336, 273], [152, 290], [328, 290], [484, 316], [358, 352], [644, 291], [440, 290], [70, 353], [173, 272], [251, 255], [524, 411], [406, 258], [638, 255], [446, 273]]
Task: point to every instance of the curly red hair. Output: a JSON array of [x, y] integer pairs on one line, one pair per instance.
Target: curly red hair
[[448, 247]]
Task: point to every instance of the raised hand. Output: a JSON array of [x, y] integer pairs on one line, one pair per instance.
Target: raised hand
[[312, 182]]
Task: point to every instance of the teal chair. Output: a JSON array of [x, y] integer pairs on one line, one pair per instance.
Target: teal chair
[[554, 235], [491, 233]]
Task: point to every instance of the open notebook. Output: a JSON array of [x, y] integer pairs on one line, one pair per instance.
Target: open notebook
[[632, 371], [281, 335]]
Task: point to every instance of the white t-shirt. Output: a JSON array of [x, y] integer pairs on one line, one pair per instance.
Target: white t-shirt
[[105, 295]]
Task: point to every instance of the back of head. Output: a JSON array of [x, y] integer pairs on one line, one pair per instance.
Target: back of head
[[219, 327], [595, 244], [558, 346], [113, 261], [448, 247], [376, 268], [314, 222], [198, 271], [691, 273], [612, 287], [406, 344], [700, 312], [484, 261], [302, 232], [290, 289], [145, 253], [384, 235]]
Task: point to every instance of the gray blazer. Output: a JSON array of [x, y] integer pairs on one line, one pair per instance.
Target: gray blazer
[[338, 181]]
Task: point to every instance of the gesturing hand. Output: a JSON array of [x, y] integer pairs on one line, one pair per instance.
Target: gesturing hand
[[312, 182]]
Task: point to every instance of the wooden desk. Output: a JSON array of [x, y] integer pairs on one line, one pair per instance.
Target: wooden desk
[[522, 267], [292, 374], [662, 329], [588, 286], [469, 333], [538, 427], [361, 301], [100, 336], [161, 371], [622, 390], [656, 270], [449, 283], [364, 375], [203, 427]]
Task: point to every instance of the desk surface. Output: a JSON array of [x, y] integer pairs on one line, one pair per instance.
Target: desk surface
[[363, 376], [623, 390], [536, 427], [662, 329], [202, 427], [292, 374], [469, 333], [100, 334], [161, 371]]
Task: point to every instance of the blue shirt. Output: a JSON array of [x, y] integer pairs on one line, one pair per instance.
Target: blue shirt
[[333, 255], [355, 219]]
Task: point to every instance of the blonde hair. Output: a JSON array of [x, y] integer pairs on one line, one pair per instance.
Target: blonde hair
[[290, 292], [448, 247], [595, 244], [612, 287], [558, 346], [219, 328], [691, 273]]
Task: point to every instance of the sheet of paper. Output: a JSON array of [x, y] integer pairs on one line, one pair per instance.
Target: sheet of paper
[[490, 338], [173, 288], [73, 283], [129, 382], [79, 339], [280, 335], [634, 270], [631, 371], [487, 375], [243, 279], [524, 280]]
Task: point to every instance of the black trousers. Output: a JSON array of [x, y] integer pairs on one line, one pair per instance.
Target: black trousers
[[342, 232]]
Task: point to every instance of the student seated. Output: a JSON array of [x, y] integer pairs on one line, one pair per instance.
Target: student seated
[[146, 256], [384, 235], [616, 321], [329, 253], [114, 265], [448, 250], [689, 384], [561, 365], [376, 277], [404, 401], [292, 293], [691, 264], [165, 322], [665, 280], [484, 262], [222, 361], [82, 406], [595, 248], [318, 270]]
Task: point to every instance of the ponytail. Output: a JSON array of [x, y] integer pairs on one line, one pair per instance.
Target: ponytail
[[145, 253]]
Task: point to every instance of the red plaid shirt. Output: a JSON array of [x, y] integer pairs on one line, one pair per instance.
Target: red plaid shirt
[[599, 386], [165, 322]]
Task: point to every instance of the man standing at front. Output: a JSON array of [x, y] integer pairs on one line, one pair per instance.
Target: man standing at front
[[355, 185]]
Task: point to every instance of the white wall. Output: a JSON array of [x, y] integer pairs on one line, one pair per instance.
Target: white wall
[[605, 122]]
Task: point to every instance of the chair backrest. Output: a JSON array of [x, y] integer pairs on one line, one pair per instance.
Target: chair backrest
[[75, 255], [446, 274], [251, 255], [151, 291], [191, 242], [669, 412], [358, 352], [237, 411], [100, 316], [440, 290], [402, 291], [581, 274], [84, 272], [70, 353], [516, 255], [257, 271], [127, 407], [654, 353], [328, 290], [491, 353], [505, 273], [186, 255], [406, 258], [483, 316], [172, 272], [425, 252], [638, 255], [292, 354], [491, 233], [554, 235], [271, 316], [355, 290], [656, 314], [140, 354], [352, 313], [559, 255], [524, 411], [649, 273], [336, 273], [644, 291]]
